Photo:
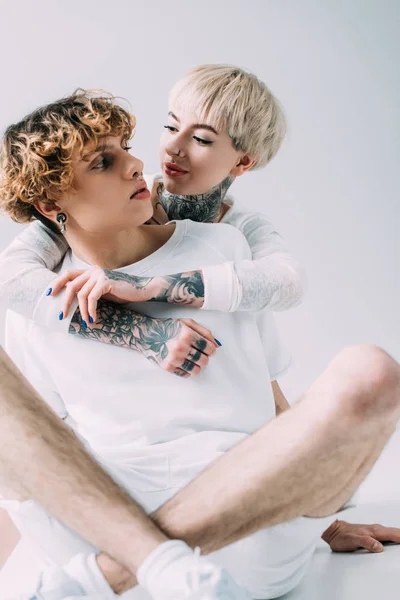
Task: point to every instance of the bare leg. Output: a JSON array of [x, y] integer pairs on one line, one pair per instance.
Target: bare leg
[[63, 477], [313, 457], [307, 461]]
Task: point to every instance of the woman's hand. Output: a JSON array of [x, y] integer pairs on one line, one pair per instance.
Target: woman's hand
[[94, 283], [115, 286], [348, 537], [159, 217], [179, 346]]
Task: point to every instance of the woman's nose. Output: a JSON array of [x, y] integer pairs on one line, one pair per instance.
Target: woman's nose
[[175, 147]]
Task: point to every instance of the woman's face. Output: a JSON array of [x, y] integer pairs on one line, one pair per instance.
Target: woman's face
[[194, 156], [110, 194]]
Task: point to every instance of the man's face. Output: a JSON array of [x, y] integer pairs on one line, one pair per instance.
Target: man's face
[[106, 197], [194, 156]]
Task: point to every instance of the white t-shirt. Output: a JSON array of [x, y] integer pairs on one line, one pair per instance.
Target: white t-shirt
[[122, 403], [268, 278]]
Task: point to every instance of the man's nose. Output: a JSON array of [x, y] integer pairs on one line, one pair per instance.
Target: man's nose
[[134, 167]]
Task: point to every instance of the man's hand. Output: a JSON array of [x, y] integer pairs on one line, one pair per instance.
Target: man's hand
[[348, 537]]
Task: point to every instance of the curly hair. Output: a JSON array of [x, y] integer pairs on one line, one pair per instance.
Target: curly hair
[[36, 154]]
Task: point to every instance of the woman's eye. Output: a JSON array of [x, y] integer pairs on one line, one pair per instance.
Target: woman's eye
[[170, 127], [127, 148], [201, 141]]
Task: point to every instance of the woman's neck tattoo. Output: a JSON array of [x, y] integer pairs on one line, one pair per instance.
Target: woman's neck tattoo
[[203, 208]]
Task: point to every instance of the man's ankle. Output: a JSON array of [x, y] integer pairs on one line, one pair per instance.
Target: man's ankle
[[118, 577]]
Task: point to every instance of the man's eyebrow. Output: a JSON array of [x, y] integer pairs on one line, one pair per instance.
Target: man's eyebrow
[[195, 125], [98, 149]]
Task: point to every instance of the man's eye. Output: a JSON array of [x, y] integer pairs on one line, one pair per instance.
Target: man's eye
[[99, 165], [201, 141], [170, 128], [104, 163]]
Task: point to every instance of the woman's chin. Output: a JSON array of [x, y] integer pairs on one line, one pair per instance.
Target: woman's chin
[[181, 188]]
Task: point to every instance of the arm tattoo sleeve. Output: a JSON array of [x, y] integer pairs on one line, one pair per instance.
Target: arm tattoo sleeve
[[180, 288], [122, 327]]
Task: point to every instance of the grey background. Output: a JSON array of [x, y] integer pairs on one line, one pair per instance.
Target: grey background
[[333, 190]]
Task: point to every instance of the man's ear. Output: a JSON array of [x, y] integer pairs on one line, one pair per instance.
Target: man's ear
[[244, 164], [48, 208]]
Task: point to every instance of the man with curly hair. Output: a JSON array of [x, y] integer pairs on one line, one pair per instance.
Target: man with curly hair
[[205, 458]]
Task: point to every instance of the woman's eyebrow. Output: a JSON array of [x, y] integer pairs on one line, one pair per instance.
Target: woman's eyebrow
[[195, 125]]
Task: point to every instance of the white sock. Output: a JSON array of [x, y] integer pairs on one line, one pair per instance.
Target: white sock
[[84, 569], [163, 574], [56, 584]]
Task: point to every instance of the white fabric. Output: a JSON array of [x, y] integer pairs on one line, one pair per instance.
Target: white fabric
[[154, 432], [269, 278], [174, 571], [123, 403], [268, 563]]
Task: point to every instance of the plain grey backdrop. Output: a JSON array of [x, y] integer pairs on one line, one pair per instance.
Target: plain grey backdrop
[[333, 190]]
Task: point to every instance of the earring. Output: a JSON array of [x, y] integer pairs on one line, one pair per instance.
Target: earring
[[61, 218]]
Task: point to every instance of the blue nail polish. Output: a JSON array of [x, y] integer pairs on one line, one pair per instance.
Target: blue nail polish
[[49, 291], [84, 324], [219, 343], [91, 319], [60, 316]]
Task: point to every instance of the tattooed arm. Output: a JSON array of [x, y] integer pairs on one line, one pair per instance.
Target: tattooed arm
[[181, 288], [114, 286], [179, 346]]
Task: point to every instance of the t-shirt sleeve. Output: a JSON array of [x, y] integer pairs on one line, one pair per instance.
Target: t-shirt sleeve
[[27, 271], [277, 355], [271, 279], [29, 362]]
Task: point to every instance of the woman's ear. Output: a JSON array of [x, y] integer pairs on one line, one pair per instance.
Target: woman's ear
[[244, 164]]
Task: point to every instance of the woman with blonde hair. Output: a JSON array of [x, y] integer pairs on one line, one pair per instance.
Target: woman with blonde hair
[[193, 185]]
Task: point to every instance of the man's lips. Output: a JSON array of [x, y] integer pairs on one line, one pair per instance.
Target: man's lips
[[141, 193], [174, 170]]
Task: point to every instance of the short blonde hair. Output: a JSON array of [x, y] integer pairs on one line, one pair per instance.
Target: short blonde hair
[[36, 154], [234, 99]]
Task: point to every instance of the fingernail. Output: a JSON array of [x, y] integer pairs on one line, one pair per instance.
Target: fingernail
[[376, 547], [217, 342], [91, 319], [60, 316], [49, 291], [84, 324]]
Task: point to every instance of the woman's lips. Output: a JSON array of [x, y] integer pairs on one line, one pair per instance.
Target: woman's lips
[[173, 170]]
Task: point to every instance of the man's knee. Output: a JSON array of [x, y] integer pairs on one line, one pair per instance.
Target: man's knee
[[371, 381]]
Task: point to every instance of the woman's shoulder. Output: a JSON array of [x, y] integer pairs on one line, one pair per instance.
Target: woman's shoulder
[[243, 219]]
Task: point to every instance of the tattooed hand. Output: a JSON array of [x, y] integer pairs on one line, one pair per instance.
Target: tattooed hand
[[179, 346], [159, 217], [92, 284]]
